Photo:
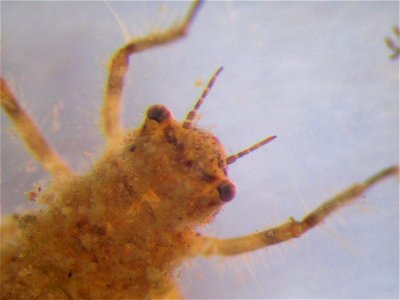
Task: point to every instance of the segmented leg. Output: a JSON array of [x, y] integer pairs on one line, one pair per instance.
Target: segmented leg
[[292, 228], [119, 66], [31, 134]]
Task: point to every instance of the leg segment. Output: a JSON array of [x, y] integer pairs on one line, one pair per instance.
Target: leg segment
[[119, 66], [31, 134], [292, 228]]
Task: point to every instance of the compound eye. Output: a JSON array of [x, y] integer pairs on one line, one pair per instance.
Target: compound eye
[[158, 113], [227, 190]]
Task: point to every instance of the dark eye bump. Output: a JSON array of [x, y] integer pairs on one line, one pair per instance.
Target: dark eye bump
[[158, 113]]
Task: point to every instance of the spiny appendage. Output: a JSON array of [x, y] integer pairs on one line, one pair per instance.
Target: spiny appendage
[[111, 111], [187, 123], [231, 159], [394, 45], [292, 228], [31, 134], [190, 116]]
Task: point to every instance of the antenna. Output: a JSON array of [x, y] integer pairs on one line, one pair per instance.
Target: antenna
[[190, 116], [231, 159]]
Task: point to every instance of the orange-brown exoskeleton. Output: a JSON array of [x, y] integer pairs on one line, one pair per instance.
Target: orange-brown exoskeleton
[[120, 231]]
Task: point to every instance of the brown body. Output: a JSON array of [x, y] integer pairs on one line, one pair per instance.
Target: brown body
[[120, 231]]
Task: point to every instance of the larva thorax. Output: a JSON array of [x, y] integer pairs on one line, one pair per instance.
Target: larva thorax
[[148, 194]]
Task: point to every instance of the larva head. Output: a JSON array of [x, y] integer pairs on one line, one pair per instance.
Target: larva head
[[185, 168], [181, 169]]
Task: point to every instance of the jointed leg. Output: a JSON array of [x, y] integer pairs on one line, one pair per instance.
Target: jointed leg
[[119, 67], [31, 134], [292, 228]]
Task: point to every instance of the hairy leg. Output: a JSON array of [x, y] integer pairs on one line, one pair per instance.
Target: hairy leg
[[292, 228], [119, 66], [31, 134]]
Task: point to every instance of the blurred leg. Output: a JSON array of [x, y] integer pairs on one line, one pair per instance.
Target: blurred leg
[[119, 66], [292, 228], [31, 134]]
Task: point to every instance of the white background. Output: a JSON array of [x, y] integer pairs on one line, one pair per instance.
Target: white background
[[316, 74]]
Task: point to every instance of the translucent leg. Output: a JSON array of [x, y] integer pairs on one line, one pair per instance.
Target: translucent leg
[[119, 66], [292, 228], [31, 134]]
